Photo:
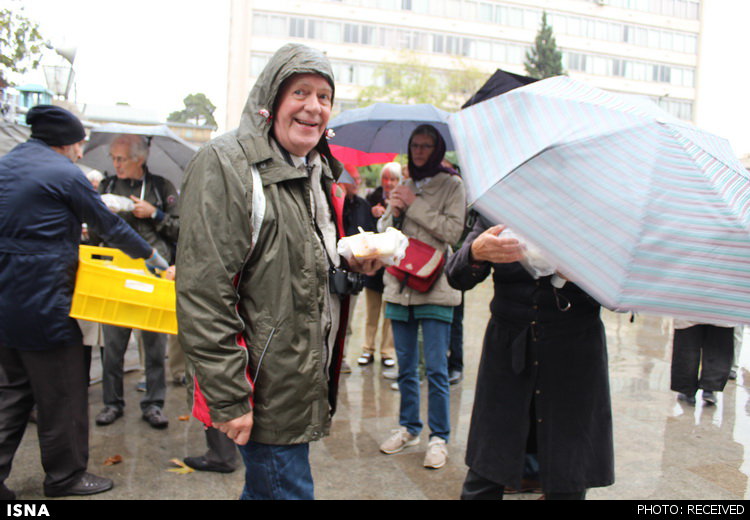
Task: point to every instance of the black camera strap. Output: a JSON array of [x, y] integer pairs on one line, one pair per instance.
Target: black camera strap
[[332, 269], [318, 231]]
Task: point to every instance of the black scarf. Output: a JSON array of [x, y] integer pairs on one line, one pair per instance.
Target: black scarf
[[433, 165]]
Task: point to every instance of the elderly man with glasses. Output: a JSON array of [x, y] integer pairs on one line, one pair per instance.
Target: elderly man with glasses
[[154, 217]]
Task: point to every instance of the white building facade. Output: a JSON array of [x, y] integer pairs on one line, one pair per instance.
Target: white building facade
[[647, 47]]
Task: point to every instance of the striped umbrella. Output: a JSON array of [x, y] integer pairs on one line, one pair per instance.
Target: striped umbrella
[[644, 211]]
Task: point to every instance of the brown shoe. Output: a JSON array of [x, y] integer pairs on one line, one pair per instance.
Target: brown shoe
[[527, 486]]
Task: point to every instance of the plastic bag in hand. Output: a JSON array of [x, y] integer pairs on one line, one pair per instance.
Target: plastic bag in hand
[[534, 261], [118, 203], [389, 247]]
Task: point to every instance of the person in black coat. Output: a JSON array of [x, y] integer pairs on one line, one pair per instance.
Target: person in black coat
[[44, 200], [356, 215], [542, 385]]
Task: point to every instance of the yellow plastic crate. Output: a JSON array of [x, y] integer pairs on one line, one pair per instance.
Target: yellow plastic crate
[[104, 293]]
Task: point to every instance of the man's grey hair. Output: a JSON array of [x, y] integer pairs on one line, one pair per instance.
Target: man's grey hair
[[137, 145], [393, 168]]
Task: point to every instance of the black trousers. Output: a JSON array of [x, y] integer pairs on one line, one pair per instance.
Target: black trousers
[[221, 449], [701, 358], [56, 381], [479, 488]]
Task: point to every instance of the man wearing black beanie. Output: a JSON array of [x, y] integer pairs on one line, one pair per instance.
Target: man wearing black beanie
[[55, 126], [44, 200]]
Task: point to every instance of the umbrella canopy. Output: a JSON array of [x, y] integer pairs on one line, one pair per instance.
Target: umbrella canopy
[[359, 158], [386, 127], [645, 212], [499, 83], [168, 154], [12, 134]]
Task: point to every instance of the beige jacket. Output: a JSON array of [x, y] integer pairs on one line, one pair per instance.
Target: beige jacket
[[436, 217]]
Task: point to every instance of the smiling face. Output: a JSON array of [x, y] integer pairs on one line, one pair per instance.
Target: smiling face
[[303, 111]]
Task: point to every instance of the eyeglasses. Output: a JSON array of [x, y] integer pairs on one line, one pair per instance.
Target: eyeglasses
[[119, 159], [416, 146]]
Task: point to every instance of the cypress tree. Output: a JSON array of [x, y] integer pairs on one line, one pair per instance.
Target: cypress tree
[[544, 59]]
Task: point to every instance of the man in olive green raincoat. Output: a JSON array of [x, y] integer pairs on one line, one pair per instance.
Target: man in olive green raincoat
[[261, 329]]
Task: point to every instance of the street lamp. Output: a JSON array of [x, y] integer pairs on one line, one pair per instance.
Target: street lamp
[[61, 77]]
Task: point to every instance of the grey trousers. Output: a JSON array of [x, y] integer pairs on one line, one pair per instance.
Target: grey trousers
[[154, 351]]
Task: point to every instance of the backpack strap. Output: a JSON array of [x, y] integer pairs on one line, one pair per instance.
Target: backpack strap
[[259, 204], [258, 198], [158, 182]]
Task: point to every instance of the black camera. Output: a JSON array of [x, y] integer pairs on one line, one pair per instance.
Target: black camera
[[344, 282]]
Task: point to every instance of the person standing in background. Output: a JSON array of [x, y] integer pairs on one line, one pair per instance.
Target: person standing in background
[[390, 177], [155, 218]]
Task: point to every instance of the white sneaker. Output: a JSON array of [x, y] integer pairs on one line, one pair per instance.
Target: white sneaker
[[399, 440], [437, 454]]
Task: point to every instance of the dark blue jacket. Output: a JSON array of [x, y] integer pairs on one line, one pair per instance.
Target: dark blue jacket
[[44, 200]]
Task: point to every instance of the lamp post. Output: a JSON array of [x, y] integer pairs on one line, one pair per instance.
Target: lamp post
[[61, 77]]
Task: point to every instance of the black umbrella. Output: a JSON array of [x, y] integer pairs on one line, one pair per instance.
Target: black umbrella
[[499, 83]]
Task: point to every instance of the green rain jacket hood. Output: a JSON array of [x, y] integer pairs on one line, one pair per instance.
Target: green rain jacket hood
[[250, 317], [291, 59]]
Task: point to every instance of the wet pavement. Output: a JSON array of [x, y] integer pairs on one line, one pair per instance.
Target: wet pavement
[[663, 449]]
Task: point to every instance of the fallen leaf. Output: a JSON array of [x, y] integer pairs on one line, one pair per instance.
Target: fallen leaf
[[183, 469], [184, 418], [111, 461]]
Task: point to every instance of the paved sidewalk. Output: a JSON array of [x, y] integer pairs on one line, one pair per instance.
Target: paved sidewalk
[[663, 450]]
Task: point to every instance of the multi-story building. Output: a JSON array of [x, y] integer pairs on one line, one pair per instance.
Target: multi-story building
[[646, 47]]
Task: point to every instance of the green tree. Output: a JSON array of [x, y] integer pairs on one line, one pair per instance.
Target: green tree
[[544, 59], [198, 110], [410, 81], [21, 44]]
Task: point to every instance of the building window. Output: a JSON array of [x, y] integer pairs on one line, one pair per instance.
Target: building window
[[368, 35], [351, 33], [438, 43], [618, 67], [331, 32], [297, 27], [486, 12], [258, 63], [313, 29]]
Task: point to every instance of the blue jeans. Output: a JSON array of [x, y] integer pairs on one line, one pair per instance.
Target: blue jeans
[[277, 472], [436, 336]]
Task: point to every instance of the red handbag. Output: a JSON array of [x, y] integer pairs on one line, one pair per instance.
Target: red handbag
[[420, 267]]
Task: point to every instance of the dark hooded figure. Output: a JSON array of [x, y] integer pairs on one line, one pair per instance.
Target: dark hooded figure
[[261, 328], [430, 207], [428, 159], [543, 385]]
